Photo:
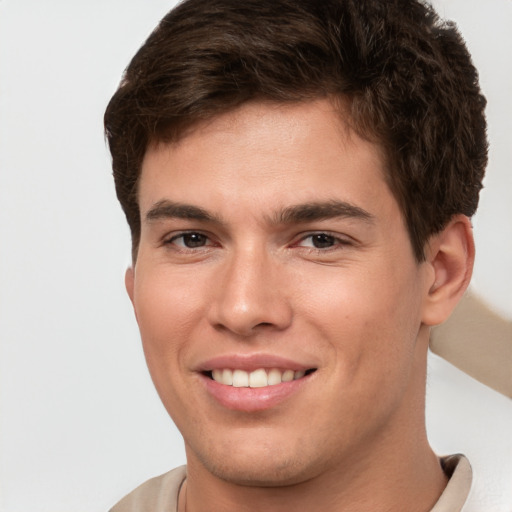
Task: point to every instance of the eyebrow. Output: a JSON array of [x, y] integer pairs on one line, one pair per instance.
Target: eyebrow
[[295, 214], [166, 209], [309, 212]]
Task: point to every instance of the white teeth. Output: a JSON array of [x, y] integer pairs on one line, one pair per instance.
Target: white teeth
[[288, 376], [227, 377], [274, 377], [257, 379], [240, 379]]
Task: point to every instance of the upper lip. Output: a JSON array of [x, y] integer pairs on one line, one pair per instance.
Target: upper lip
[[251, 362]]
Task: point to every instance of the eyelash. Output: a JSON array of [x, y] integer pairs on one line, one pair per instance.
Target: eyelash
[[334, 240], [182, 235]]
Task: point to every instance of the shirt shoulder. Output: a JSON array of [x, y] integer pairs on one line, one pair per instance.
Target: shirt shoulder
[[159, 494]]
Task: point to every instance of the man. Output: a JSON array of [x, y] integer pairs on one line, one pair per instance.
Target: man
[[298, 177]]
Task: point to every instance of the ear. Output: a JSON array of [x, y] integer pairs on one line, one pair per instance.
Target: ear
[[129, 282], [450, 255]]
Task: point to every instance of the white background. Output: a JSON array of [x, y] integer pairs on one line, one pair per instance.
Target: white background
[[80, 423]]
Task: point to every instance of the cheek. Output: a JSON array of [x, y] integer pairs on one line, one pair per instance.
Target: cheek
[[166, 319], [368, 315], [166, 315]]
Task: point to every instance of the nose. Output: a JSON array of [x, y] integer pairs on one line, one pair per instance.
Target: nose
[[251, 295]]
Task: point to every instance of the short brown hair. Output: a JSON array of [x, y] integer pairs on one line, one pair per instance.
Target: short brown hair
[[406, 76]]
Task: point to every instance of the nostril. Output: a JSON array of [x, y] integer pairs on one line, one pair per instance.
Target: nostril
[[263, 324]]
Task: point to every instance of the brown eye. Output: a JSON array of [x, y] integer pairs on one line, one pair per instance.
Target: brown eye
[[322, 241], [190, 240]]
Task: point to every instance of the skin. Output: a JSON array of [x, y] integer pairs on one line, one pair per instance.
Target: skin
[[251, 281]]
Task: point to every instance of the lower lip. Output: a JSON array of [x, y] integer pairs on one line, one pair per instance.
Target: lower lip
[[252, 399]]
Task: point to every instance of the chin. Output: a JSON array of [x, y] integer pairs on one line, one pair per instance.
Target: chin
[[263, 468], [270, 475]]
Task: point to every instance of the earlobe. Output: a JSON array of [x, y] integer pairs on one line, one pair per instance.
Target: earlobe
[[129, 279], [451, 255]]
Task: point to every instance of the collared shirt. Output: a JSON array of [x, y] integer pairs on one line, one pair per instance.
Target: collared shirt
[[160, 494], [455, 494]]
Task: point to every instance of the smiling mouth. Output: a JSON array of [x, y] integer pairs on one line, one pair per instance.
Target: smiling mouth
[[259, 378]]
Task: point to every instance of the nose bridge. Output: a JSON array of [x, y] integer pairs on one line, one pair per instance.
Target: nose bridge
[[250, 295]]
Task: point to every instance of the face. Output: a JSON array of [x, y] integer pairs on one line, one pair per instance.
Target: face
[[279, 302]]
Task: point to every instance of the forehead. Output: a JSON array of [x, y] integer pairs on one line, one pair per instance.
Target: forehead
[[278, 154]]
